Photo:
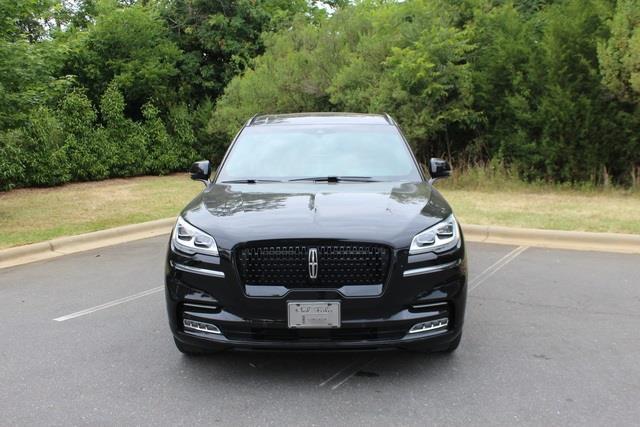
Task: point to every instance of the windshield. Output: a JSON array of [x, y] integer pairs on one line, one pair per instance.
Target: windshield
[[301, 151]]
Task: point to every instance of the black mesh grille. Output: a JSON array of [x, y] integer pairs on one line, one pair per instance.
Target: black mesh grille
[[338, 265]]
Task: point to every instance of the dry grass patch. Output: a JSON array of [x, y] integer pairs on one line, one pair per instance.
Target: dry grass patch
[[32, 215], [37, 214], [615, 212]]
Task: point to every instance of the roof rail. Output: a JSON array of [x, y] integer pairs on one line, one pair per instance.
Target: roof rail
[[252, 119], [389, 119]]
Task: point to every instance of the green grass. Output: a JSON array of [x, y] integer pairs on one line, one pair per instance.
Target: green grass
[[33, 215], [487, 196], [562, 210], [37, 214]]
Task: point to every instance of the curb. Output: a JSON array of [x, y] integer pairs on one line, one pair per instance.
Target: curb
[[555, 239], [574, 240], [83, 242]]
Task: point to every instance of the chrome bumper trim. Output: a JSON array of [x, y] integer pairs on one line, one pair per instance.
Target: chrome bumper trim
[[192, 325], [431, 269], [429, 326], [195, 270]]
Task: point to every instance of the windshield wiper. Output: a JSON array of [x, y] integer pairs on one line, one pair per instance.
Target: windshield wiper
[[249, 181], [336, 179]]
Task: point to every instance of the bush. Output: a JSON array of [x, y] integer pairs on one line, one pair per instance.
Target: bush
[[11, 167], [74, 143], [88, 155], [292, 77], [182, 129], [469, 80], [125, 138], [163, 154], [43, 150]]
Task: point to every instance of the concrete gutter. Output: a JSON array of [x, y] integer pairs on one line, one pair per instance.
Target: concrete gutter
[[83, 242], [574, 240]]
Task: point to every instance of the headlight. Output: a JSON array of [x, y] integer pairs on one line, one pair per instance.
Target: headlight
[[188, 239], [441, 237]]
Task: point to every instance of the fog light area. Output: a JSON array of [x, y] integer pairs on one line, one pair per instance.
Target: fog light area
[[431, 325], [192, 325]]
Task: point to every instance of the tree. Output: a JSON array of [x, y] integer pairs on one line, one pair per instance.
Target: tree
[[27, 64], [620, 54], [24, 19], [129, 145], [220, 38], [504, 88], [292, 76], [131, 47], [419, 74], [549, 89], [405, 59], [89, 154]]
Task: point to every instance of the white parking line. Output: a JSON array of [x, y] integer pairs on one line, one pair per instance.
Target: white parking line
[[325, 382], [491, 270], [477, 281], [108, 304], [351, 369], [352, 373]]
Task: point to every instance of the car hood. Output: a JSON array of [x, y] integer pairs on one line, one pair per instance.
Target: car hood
[[385, 212]]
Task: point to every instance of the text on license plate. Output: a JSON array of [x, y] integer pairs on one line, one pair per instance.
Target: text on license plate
[[314, 314]]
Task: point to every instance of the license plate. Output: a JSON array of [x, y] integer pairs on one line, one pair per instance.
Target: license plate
[[314, 314]]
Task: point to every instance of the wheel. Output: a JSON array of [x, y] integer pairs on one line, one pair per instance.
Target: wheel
[[191, 350]]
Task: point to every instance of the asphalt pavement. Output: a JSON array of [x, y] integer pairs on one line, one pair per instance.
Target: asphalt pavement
[[551, 337]]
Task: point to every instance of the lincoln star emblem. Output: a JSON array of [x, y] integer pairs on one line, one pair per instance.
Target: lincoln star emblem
[[313, 263]]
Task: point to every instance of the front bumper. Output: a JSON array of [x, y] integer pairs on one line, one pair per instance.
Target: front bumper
[[436, 342], [209, 290]]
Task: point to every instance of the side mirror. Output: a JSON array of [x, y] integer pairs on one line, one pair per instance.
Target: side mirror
[[201, 171], [438, 168]]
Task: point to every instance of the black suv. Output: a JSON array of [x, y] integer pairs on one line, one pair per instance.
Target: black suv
[[318, 231]]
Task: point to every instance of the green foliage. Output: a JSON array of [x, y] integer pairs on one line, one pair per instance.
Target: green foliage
[[572, 114], [548, 90], [620, 54], [182, 129], [163, 153], [24, 79], [11, 167], [200, 121], [23, 18], [424, 78], [89, 154], [219, 38], [538, 84], [472, 80], [406, 59], [42, 150], [128, 46], [126, 136], [290, 78]]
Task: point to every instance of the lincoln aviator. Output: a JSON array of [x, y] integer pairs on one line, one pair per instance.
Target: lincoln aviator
[[317, 231]]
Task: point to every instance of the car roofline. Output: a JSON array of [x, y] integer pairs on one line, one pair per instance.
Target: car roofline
[[261, 119]]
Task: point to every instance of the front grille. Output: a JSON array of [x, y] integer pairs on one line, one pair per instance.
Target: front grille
[[338, 265]]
